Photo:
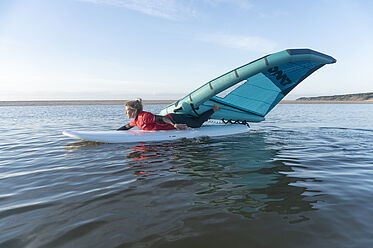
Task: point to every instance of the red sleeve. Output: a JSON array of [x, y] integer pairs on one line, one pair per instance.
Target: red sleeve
[[148, 118]]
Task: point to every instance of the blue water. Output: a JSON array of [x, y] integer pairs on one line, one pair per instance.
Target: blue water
[[302, 178]]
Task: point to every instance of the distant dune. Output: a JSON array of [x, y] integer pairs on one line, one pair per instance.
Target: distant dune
[[340, 98]]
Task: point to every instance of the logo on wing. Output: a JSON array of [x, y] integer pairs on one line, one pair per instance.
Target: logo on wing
[[280, 76]]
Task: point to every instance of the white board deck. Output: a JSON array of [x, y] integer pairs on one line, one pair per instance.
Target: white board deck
[[131, 136]]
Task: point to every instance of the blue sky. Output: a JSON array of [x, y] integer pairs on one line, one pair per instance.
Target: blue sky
[[163, 49]]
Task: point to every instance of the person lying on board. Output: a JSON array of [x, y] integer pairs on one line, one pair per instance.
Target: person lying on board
[[148, 121]]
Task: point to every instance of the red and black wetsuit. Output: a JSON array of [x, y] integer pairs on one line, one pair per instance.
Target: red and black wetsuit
[[148, 121]]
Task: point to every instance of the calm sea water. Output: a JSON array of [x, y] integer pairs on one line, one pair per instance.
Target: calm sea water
[[302, 178]]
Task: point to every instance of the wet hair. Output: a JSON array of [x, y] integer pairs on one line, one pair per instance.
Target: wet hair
[[135, 105]]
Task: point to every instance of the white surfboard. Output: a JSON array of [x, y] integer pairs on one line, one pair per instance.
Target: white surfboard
[[130, 136]]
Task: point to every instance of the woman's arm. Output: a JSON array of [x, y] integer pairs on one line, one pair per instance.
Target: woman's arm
[[166, 119], [125, 127]]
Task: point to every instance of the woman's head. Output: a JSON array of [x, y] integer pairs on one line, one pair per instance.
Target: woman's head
[[133, 108]]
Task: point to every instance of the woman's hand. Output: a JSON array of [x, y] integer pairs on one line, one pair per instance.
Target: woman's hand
[[180, 126]]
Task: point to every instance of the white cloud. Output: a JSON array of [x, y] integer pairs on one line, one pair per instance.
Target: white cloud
[[243, 4], [250, 43], [169, 9]]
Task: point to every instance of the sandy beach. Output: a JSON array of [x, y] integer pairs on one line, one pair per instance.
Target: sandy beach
[[122, 102]]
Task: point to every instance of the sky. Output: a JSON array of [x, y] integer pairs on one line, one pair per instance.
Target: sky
[[164, 49]]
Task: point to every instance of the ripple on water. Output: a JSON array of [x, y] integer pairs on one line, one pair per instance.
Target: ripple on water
[[302, 176]]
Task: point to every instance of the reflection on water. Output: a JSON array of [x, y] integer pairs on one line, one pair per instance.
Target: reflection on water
[[81, 144], [243, 175]]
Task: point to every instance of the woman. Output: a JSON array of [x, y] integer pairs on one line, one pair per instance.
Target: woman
[[148, 121]]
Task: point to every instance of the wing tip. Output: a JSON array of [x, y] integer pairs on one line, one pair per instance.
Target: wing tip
[[307, 51]]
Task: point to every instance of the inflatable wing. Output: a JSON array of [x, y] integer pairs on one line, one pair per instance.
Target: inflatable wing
[[249, 92]]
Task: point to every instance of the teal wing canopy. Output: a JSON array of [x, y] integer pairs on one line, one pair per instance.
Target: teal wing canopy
[[249, 92]]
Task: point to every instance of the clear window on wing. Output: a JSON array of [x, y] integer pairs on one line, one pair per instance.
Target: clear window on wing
[[226, 92]]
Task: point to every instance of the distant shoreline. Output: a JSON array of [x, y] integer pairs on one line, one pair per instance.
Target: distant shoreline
[[77, 102], [122, 102], [347, 97], [324, 102]]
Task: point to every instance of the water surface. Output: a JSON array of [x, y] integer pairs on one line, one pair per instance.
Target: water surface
[[302, 178]]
